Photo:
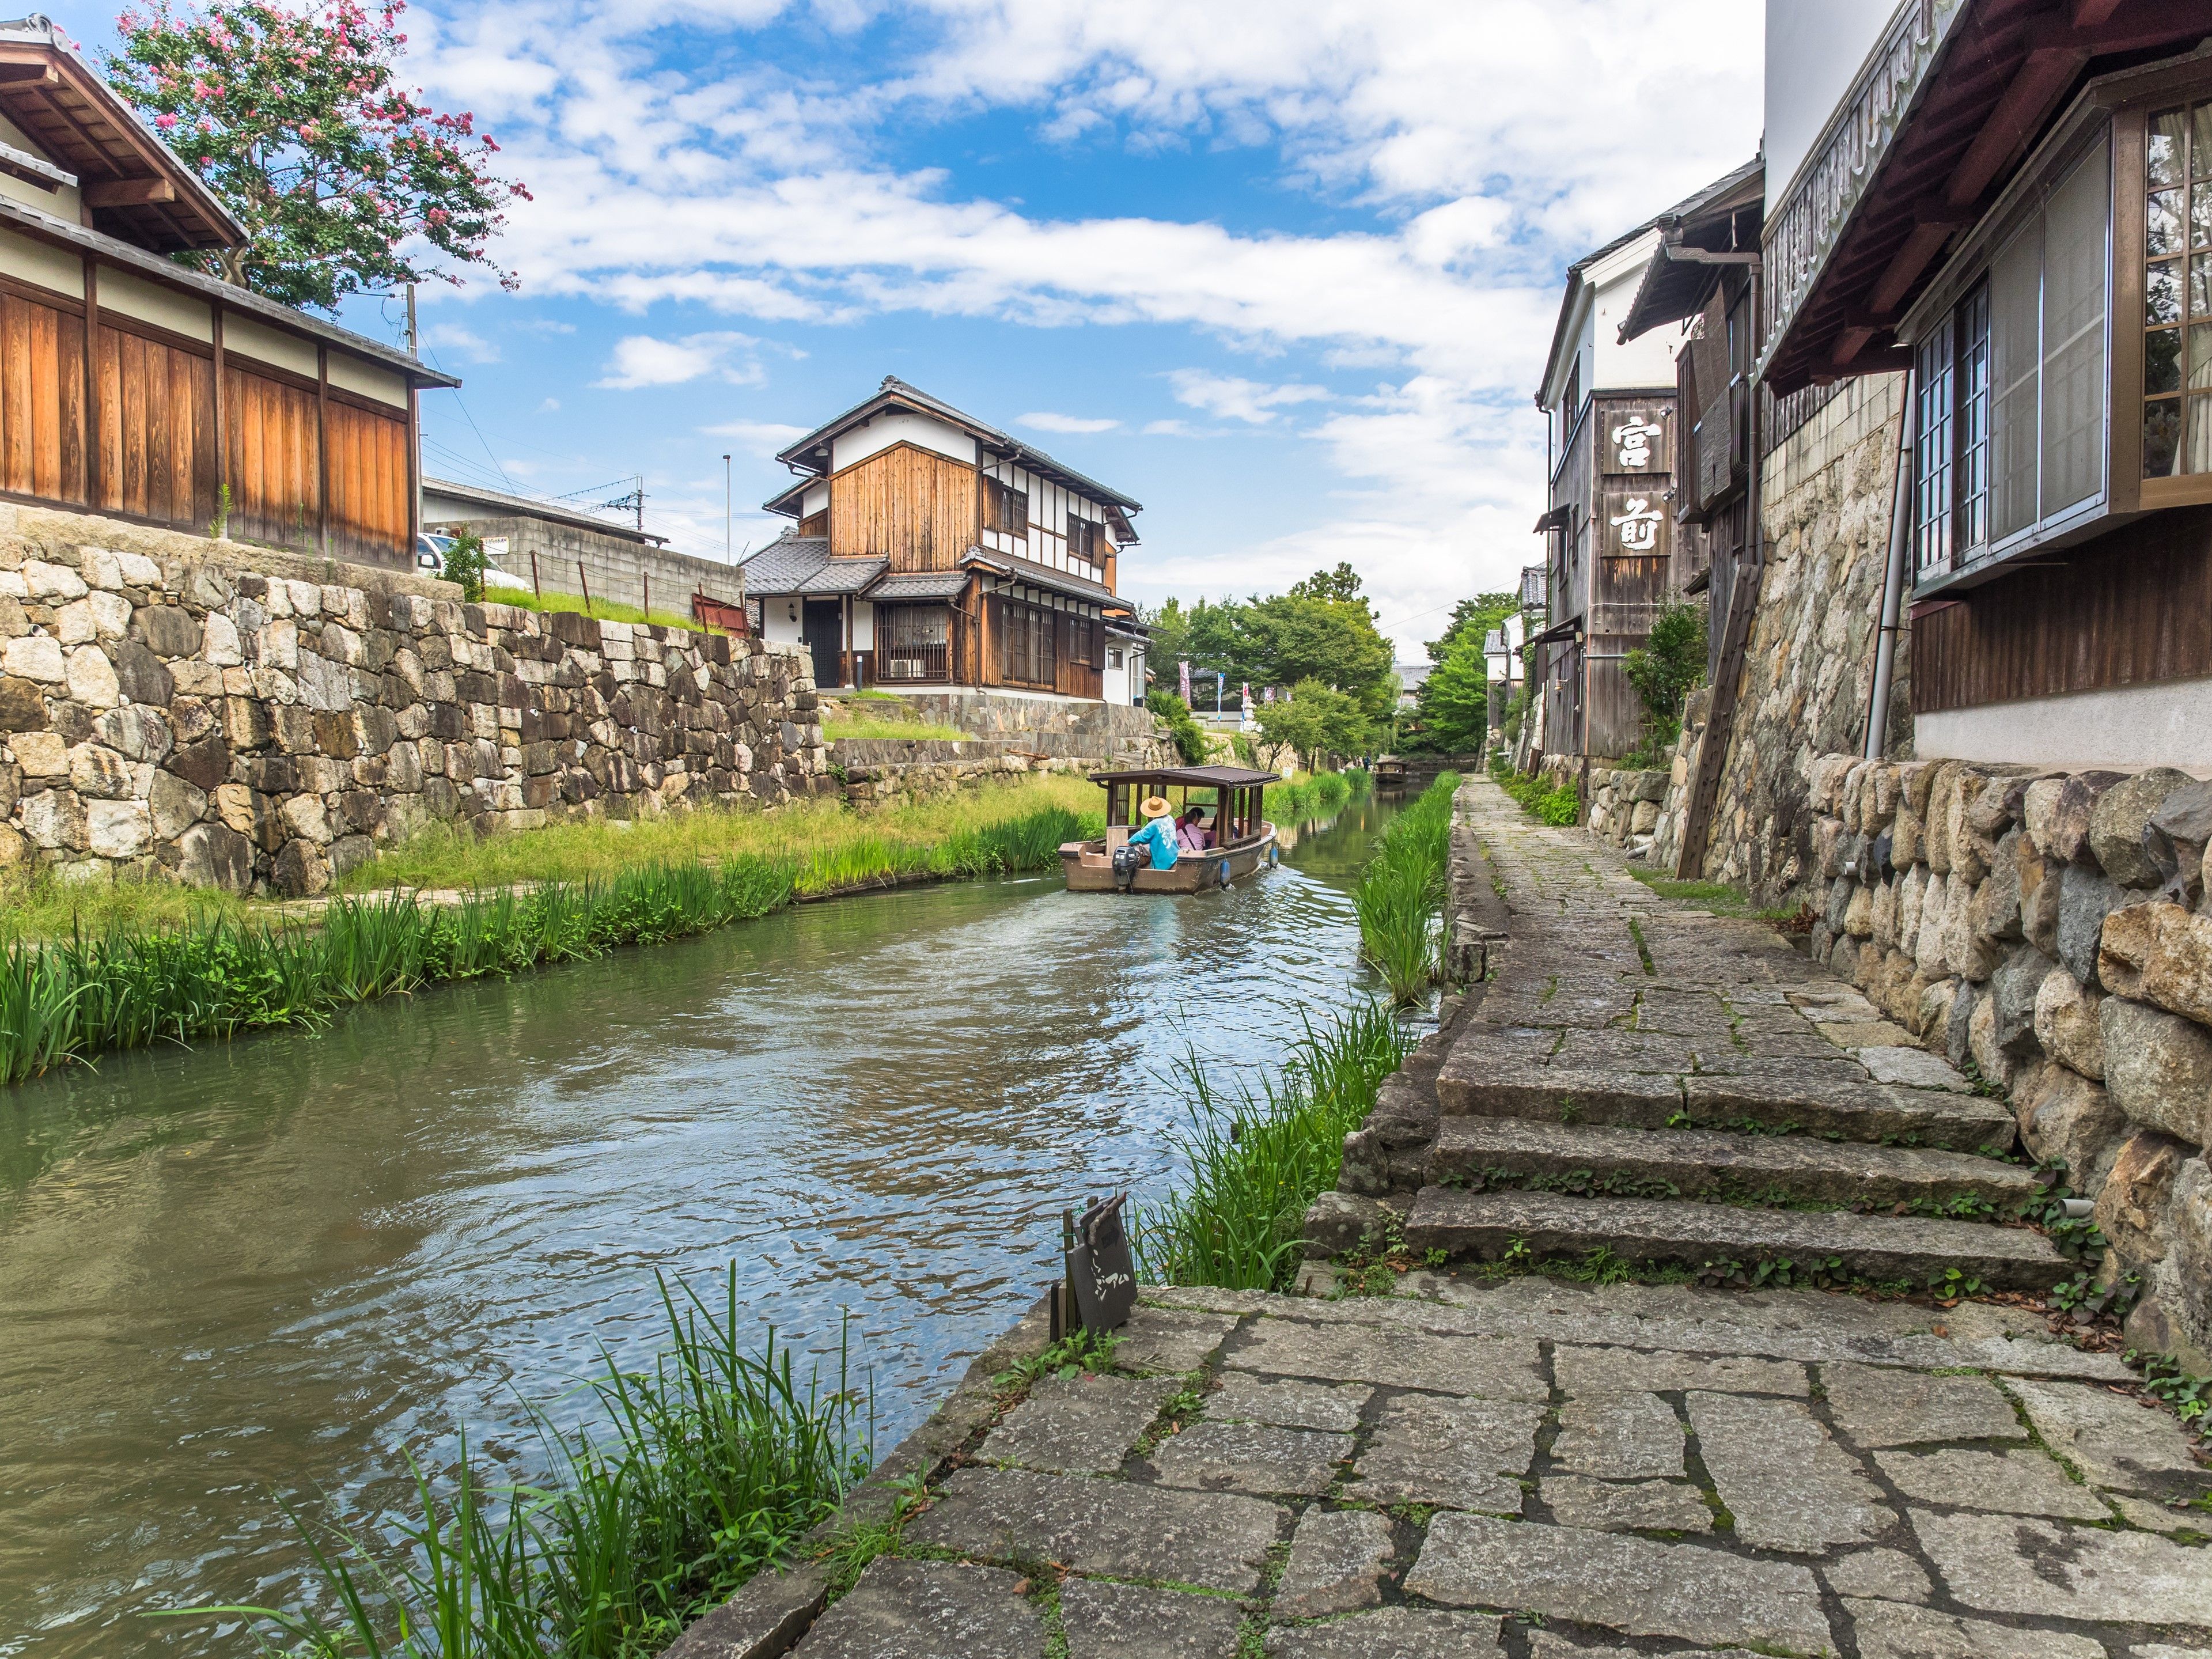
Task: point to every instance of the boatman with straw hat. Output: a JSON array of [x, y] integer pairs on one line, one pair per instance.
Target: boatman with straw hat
[[1159, 831]]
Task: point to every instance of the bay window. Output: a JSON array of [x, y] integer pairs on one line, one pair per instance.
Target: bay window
[[2062, 358]]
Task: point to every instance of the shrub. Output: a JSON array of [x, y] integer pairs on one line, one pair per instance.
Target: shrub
[[1190, 741], [464, 563], [1664, 669]]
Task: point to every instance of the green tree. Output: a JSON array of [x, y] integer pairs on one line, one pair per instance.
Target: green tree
[[1189, 739], [1453, 703], [1663, 670], [1341, 584], [1295, 638], [344, 179], [1316, 720], [1477, 615]]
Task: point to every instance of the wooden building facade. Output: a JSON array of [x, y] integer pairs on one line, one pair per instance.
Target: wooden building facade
[[931, 549], [2039, 279], [1611, 537], [135, 387]]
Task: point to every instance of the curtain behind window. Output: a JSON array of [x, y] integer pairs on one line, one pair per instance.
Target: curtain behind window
[[2015, 365], [2073, 336]]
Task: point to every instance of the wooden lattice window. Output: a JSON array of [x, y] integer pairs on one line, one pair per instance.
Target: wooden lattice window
[[1005, 509]]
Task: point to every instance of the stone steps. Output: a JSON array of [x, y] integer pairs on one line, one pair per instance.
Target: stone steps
[[1705, 1164], [1880, 1248], [1497, 1071]]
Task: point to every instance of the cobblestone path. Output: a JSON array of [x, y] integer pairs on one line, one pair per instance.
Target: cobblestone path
[[1537, 1468], [1675, 1086]]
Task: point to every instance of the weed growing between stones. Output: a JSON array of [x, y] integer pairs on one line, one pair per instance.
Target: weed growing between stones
[[1074, 1355], [708, 1469], [1559, 807], [2191, 1396], [1258, 1160], [1400, 895]]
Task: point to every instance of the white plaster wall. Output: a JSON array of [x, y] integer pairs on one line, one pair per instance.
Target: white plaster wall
[[2126, 728], [778, 625], [816, 500], [365, 379], [243, 337], [1649, 359], [41, 264], [864, 625], [1814, 49], [164, 307], [923, 431], [63, 202]]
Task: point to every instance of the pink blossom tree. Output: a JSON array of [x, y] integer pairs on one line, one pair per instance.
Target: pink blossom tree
[[344, 180]]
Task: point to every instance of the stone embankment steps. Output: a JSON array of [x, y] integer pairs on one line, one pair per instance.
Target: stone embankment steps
[[1701, 1093]]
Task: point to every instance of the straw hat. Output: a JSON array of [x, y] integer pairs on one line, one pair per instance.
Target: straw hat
[[1155, 806]]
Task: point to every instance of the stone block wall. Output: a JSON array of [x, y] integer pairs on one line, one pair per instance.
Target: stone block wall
[[1808, 664], [2054, 929], [263, 723], [1624, 806]]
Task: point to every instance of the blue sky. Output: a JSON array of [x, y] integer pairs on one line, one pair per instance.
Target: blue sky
[[1284, 273]]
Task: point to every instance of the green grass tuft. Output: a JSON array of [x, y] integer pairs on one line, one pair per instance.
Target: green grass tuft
[[1400, 898]]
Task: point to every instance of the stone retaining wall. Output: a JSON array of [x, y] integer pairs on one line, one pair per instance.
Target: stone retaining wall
[[1624, 806], [2054, 930], [262, 723], [890, 771]]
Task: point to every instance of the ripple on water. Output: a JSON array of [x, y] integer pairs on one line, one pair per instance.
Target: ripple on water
[[264, 1267]]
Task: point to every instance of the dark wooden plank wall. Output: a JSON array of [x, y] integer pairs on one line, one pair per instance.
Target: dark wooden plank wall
[[2132, 608], [41, 401], [154, 454], [914, 506]]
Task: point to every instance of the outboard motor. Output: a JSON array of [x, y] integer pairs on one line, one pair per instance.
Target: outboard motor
[[1127, 861]]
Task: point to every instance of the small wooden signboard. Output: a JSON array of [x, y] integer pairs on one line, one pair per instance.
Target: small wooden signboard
[[1100, 1289]]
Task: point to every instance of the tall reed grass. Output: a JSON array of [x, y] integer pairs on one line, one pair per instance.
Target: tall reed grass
[[216, 976], [1400, 898], [1258, 1160], [1316, 796], [706, 1468]]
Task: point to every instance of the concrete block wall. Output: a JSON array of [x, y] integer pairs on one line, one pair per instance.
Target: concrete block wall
[[2054, 930], [263, 723]]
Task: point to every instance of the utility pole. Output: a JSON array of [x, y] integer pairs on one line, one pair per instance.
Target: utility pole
[[728, 498]]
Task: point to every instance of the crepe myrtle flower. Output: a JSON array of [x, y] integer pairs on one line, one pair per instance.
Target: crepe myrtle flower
[[344, 179]]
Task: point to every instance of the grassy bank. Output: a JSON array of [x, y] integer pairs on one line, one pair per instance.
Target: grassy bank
[[1258, 1160], [523, 600], [1401, 894], [710, 1466], [1317, 795], [559, 895]]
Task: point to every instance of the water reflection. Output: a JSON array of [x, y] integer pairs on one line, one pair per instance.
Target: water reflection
[[265, 1267]]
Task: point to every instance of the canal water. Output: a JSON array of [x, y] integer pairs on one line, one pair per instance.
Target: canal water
[[261, 1270]]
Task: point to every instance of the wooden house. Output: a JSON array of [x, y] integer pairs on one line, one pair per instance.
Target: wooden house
[[931, 549], [135, 387], [2004, 203], [1609, 562]]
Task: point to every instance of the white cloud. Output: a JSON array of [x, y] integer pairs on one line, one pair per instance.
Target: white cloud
[[549, 406], [641, 360], [1044, 422], [758, 437], [461, 342], [1232, 399], [1472, 146]]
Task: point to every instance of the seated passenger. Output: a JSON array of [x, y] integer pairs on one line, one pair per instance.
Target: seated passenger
[[1191, 833], [1158, 834]]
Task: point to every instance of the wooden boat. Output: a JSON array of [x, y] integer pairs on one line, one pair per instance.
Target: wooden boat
[[1390, 773], [1236, 795]]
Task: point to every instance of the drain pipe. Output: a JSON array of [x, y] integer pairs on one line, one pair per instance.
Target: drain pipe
[[1893, 583]]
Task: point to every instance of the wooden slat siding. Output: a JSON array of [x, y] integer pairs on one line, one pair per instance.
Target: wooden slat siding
[[75, 450], [2134, 608], [45, 409], [15, 395], [273, 464], [130, 420], [370, 505], [910, 504]]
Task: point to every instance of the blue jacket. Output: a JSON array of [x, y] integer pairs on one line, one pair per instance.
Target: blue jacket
[[1160, 836]]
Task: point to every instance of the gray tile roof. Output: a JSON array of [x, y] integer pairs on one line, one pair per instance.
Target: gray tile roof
[[844, 576], [784, 563], [920, 585]]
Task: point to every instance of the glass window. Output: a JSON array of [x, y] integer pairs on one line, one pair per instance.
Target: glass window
[[2016, 379], [2073, 262], [2177, 389], [1935, 363], [1973, 530]]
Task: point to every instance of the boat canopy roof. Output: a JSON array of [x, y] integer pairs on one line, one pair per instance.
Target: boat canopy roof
[[1196, 777]]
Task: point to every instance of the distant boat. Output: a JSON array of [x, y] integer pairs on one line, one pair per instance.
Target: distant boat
[[1244, 839]]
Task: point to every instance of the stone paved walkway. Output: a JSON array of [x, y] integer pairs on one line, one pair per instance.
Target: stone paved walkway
[[1537, 1470], [1673, 1086], [1540, 1470]]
